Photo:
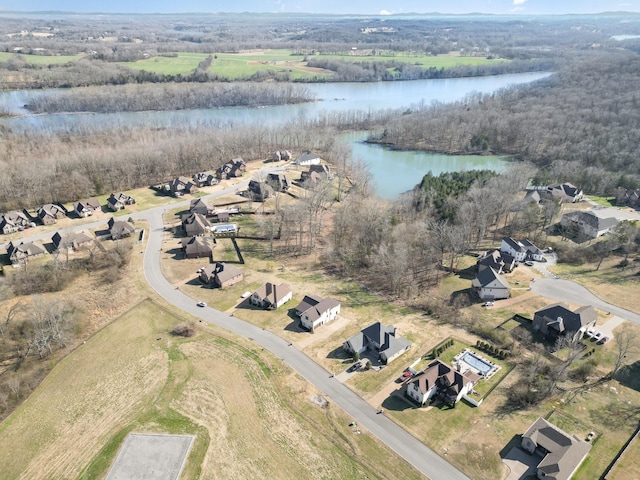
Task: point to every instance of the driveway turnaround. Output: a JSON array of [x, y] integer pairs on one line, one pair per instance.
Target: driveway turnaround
[[572, 292], [396, 438]]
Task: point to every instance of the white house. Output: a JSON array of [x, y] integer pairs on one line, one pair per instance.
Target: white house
[[533, 252], [271, 296], [441, 379], [587, 223], [308, 158], [513, 248], [489, 285], [322, 312]]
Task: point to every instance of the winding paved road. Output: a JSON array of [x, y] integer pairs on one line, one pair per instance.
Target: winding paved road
[[572, 292], [396, 438]]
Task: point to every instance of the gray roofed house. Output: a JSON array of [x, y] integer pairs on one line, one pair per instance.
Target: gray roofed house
[[324, 311], [271, 296], [278, 181], [281, 155], [205, 179], [85, 208], [181, 185], [70, 240], [13, 221], [22, 251], [500, 261], [118, 201], [201, 206], [196, 224], [441, 380], [561, 453], [565, 192], [197, 247], [308, 158], [50, 213], [221, 275], [533, 252], [120, 229], [307, 302], [586, 224], [378, 338], [233, 168], [259, 191], [489, 285], [513, 248], [557, 320], [532, 196]]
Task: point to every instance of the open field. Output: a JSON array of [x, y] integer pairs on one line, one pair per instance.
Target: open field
[[242, 65], [38, 59], [230, 397]]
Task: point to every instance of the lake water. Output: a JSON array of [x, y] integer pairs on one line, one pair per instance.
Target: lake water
[[394, 172]]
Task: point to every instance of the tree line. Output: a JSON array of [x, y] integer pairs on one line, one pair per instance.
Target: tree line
[[132, 98]]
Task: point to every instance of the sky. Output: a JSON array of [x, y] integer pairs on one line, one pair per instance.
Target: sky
[[365, 7]]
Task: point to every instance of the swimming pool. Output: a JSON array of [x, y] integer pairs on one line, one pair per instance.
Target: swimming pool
[[479, 364]]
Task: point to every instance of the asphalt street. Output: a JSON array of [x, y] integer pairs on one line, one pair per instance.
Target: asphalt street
[[572, 292], [396, 438]]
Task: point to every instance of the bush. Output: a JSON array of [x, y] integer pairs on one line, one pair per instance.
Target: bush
[[183, 330]]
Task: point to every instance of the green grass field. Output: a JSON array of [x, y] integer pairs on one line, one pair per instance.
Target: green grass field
[[39, 59], [242, 65]]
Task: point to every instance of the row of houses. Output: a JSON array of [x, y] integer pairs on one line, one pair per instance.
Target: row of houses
[[20, 251], [50, 213]]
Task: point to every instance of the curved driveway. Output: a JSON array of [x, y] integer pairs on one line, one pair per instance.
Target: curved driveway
[[572, 292]]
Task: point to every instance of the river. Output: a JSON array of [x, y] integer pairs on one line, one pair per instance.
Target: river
[[393, 172]]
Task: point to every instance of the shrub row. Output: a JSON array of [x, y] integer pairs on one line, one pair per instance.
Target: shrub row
[[490, 349], [437, 351]]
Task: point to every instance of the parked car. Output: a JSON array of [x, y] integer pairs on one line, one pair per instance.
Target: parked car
[[590, 332], [202, 304], [590, 436], [529, 263], [488, 304], [597, 335], [354, 367], [603, 340]]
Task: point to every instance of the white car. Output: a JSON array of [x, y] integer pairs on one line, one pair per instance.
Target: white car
[[488, 304], [590, 332], [202, 304], [529, 263]]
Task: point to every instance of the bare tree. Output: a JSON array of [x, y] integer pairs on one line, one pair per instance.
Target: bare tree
[[626, 345]]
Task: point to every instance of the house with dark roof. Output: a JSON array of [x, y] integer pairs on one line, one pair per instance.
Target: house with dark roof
[[628, 196], [20, 252], [86, 208], [501, 262], [489, 285], [182, 185], [197, 247], [233, 168], [259, 191], [120, 229], [201, 206], [278, 181], [565, 192], [439, 380], [314, 314], [50, 213], [379, 339], [221, 275], [71, 240], [557, 320], [14, 221], [118, 201], [533, 252], [521, 250], [205, 179], [195, 224], [281, 156], [271, 296], [586, 224], [560, 452]]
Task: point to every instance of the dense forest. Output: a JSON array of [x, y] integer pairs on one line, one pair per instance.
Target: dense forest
[[581, 123]]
